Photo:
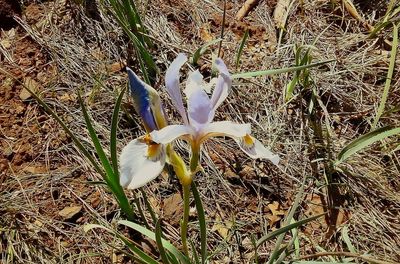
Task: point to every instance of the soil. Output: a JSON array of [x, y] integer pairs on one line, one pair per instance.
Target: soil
[[9, 9], [32, 146]]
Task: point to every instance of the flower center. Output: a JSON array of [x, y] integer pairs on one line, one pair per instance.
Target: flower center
[[248, 141], [154, 150]]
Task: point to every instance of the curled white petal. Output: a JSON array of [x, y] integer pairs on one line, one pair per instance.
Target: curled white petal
[[194, 82], [227, 128], [136, 167], [172, 84], [257, 150], [223, 84], [170, 133]]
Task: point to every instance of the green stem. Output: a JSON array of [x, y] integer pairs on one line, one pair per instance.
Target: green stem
[[185, 219], [194, 160]]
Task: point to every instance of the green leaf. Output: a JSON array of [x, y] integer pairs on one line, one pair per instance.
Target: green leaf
[[366, 140], [290, 88], [96, 183], [200, 51], [150, 234], [276, 252], [286, 229], [346, 239], [202, 223], [194, 252], [319, 262], [240, 50], [111, 179], [113, 135], [160, 245], [141, 254], [278, 71], [96, 142], [295, 235], [392, 62]]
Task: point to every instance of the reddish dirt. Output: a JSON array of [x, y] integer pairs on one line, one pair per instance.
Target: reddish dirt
[[23, 125]]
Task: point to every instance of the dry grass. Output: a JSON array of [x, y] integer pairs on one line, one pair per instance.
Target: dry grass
[[236, 191]]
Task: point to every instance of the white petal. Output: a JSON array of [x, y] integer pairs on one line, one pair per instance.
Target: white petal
[[223, 85], [136, 168], [170, 133], [227, 128], [258, 151], [194, 82], [172, 84]]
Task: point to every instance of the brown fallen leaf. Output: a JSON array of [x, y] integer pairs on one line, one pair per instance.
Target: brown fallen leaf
[[315, 206], [222, 228], [116, 67], [69, 211], [280, 13], [6, 43], [32, 85], [205, 33], [39, 169], [246, 8], [276, 213], [173, 208]]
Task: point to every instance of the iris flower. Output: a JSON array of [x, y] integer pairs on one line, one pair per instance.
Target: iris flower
[[144, 158]]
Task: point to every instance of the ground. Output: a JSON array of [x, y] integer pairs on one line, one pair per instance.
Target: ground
[[57, 48]]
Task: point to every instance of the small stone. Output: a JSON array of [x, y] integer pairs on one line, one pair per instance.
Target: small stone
[[69, 212]]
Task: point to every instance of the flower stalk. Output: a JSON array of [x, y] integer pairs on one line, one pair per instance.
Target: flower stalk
[[185, 218]]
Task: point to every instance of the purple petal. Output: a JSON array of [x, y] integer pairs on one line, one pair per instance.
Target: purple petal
[[200, 109], [172, 84], [140, 92]]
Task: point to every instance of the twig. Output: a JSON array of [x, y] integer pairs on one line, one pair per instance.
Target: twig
[[246, 8]]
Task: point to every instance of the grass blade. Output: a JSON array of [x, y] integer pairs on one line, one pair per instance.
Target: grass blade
[[150, 234], [241, 47], [346, 239], [277, 71], [366, 140], [319, 262], [196, 259], [222, 30], [202, 223], [200, 51], [288, 220], [392, 62], [143, 256], [285, 229]]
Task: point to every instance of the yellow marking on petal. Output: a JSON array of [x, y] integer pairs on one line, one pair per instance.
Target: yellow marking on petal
[[153, 150], [147, 139], [248, 140]]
